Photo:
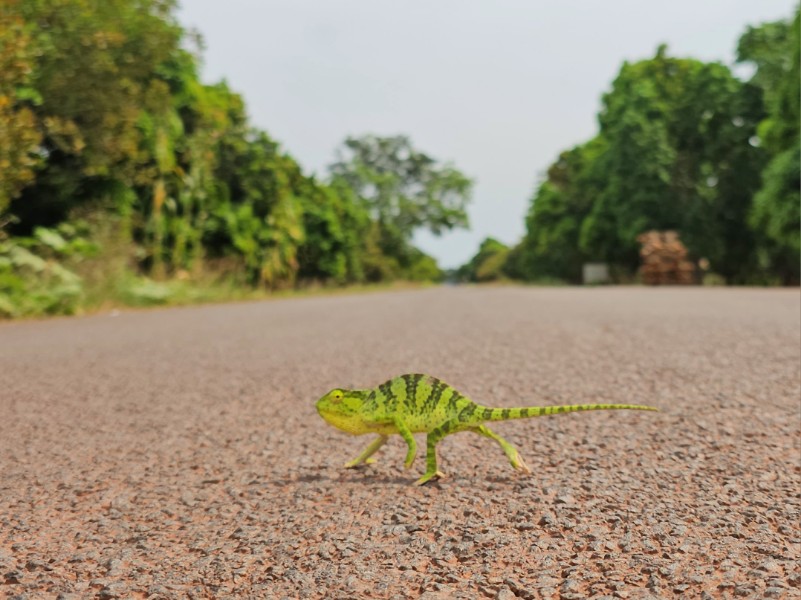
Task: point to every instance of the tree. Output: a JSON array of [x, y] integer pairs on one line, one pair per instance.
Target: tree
[[103, 114], [336, 225], [487, 264], [776, 217], [678, 156], [675, 151], [95, 61], [19, 133], [259, 212], [551, 247], [404, 190]]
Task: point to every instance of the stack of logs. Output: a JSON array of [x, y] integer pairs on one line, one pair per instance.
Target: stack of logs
[[664, 259]]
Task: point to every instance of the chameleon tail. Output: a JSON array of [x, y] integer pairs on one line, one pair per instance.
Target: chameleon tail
[[502, 414]]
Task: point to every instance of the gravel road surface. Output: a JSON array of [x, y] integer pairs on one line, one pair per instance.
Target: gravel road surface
[[177, 453]]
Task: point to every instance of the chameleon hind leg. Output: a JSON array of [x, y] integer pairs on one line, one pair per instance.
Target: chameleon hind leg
[[511, 452], [364, 457]]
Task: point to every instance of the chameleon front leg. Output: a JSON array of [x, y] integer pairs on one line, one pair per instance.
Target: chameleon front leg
[[511, 451], [407, 436], [432, 439], [364, 457]]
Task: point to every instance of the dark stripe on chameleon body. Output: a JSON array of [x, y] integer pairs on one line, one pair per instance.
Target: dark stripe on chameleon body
[[407, 386], [433, 398], [467, 412], [432, 390], [453, 401], [386, 389], [486, 414], [411, 392], [505, 413]]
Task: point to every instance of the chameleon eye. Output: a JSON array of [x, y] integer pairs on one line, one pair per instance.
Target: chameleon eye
[[336, 396]]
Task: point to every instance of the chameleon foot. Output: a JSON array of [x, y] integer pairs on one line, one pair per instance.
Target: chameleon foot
[[430, 477], [519, 464], [355, 463]]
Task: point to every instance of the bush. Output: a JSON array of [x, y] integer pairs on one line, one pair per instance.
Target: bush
[[33, 279]]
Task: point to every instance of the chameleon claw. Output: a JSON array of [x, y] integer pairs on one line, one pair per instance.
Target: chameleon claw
[[430, 477], [519, 464], [357, 463]]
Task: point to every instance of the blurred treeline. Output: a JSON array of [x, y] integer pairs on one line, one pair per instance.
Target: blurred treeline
[[682, 145], [123, 178]]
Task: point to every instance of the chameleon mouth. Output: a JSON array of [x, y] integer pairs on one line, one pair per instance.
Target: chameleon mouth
[[342, 422]]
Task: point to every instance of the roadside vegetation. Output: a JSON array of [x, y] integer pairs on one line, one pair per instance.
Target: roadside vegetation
[[125, 180], [683, 145]]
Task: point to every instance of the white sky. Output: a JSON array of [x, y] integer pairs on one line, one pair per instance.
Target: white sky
[[499, 87]]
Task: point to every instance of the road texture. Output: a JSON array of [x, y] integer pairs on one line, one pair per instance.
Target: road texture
[[177, 453]]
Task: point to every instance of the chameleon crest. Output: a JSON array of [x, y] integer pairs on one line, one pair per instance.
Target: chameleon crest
[[417, 403]]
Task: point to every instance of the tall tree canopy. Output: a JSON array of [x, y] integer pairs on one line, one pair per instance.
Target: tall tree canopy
[[487, 264], [95, 64], [678, 156], [676, 150], [19, 134], [551, 248], [775, 49], [103, 113], [403, 189]]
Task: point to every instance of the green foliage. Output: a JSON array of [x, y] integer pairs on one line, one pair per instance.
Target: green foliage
[[551, 248], [775, 49], [402, 190], [488, 264], [95, 62], [422, 267], [141, 291], [19, 134], [675, 151], [677, 157], [776, 216], [102, 112], [33, 278], [336, 224]]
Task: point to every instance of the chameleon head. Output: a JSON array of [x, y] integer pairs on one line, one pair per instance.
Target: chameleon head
[[340, 408]]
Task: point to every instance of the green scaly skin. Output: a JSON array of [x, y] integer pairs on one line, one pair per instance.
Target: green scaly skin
[[424, 404]]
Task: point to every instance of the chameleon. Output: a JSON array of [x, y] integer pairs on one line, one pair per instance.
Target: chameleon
[[417, 403]]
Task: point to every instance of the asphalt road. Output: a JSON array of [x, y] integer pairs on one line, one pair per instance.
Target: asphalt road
[[177, 453]]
